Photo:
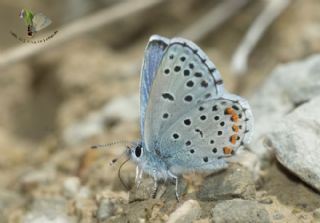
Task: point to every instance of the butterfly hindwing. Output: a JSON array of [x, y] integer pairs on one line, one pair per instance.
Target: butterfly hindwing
[[39, 22], [185, 79], [208, 132]]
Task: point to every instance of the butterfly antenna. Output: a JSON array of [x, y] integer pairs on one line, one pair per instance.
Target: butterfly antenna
[[119, 174], [110, 144], [113, 161]]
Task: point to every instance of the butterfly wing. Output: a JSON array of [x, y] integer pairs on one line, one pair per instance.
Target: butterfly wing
[[152, 58], [27, 16], [210, 131], [186, 80], [184, 68], [40, 21]]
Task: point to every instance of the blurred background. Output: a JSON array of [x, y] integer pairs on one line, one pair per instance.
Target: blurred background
[[81, 87]]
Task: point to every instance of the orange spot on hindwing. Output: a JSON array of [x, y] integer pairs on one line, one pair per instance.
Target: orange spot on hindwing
[[227, 150], [233, 138], [233, 113], [229, 111], [234, 117], [235, 128]]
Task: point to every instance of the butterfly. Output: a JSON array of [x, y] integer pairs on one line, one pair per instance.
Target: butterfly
[[34, 22], [188, 122]]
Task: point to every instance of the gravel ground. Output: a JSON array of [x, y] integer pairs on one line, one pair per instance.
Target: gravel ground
[[54, 106]]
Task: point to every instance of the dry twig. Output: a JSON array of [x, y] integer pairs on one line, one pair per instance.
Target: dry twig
[[213, 19], [274, 8]]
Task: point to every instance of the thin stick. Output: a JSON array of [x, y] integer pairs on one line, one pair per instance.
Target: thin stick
[[213, 19], [274, 8], [77, 28]]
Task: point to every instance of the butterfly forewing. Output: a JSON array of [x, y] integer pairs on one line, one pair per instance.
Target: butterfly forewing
[[152, 58], [185, 79]]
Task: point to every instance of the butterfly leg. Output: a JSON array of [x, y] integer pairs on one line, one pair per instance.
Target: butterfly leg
[[155, 185], [177, 182], [139, 173]]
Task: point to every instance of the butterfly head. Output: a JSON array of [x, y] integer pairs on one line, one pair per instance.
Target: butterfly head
[[148, 161], [136, 153]]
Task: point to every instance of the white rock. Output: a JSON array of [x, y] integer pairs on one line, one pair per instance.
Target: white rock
[[316, 214], [43, 175], [296, 142], [189, 211], [48, 211], [71, 186], [288, 86], [249, 160], [105, 209], [84, 192], [44, 219]]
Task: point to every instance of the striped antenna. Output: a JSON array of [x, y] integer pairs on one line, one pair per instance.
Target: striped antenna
[[113, 161], [110, 144]]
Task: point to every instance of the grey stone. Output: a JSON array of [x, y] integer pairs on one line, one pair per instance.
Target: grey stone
[[166, 190], [295, 142], [105, 209], [150, 210], [9, 200], [240, 211], [118, 219], [234, 182], [265, 200], [316, 214], [36, 177], [287, 87], [277, 216], [48, 211], [189, 211]]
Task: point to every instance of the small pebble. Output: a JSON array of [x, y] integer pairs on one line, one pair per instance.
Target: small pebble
[[238, 210], [266, 200], [105, 209], [71, 186], [235, 181], [277, 216], [189, 211], [316, 214]]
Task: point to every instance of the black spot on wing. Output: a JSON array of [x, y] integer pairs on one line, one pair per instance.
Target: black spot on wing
[[168, 96]]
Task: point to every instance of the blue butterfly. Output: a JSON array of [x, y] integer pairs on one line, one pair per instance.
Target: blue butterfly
[[188, 122]]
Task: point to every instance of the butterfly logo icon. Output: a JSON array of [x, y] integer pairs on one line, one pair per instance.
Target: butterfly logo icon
[[34, 21]]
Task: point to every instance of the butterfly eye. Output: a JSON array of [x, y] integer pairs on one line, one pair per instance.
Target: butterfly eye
[[138, 151]]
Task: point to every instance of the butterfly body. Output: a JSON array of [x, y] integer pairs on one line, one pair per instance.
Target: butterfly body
[[188, 122]]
